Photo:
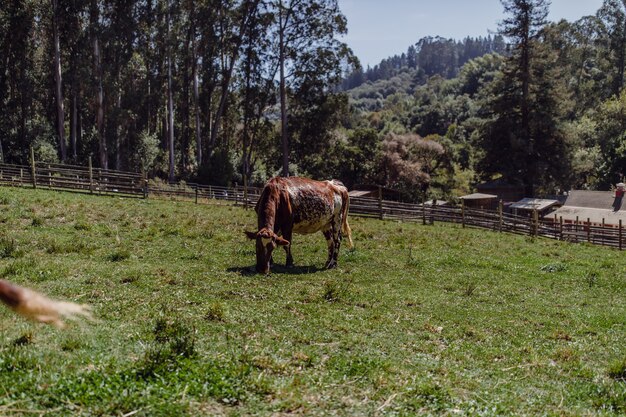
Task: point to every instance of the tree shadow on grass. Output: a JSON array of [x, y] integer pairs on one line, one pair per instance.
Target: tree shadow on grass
[[277, 269]]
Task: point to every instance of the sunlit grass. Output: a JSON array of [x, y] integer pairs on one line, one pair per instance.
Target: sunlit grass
[[416, 319]]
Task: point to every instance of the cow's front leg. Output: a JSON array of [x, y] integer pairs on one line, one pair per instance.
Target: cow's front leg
[[287, 236], [332, 259]]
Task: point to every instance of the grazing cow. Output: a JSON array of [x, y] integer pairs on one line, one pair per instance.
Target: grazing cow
[[37, 307], [303, 206]]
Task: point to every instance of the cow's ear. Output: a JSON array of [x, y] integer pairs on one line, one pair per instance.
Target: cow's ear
[[251, 235], [281, 242]]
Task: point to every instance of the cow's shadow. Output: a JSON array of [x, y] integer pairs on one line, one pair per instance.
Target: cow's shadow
[[277, 269]]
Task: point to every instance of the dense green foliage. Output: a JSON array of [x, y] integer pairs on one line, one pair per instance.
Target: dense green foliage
[[176, 88], [241, 90], [544, 113], [417, 319]]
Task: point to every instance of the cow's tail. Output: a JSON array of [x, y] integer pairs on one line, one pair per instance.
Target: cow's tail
[[345, 227], [37, 307]]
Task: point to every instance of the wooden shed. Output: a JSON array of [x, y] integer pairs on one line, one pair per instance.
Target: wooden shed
[[480, 201], [372, 191], [502, 190], [526, 206]]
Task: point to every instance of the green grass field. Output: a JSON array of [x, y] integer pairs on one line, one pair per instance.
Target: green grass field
[[416, 320]]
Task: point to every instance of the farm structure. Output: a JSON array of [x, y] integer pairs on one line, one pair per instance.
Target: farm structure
[[604, 228], [593, 207], [528, 205]]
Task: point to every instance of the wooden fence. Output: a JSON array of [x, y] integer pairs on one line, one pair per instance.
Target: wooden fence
[[109, 182]]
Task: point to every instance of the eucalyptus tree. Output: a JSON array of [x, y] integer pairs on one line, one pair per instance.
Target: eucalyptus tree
[[308, 53], [612, 15]]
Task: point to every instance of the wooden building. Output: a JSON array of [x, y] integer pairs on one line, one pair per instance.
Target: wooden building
[[480, 201]]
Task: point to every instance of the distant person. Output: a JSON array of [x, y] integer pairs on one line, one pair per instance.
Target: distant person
[[619, 195]]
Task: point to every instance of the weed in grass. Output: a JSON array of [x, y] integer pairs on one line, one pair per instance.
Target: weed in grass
[[119, 255], [71, 344], [173, 342], [37, 221], [591, 279], [301, 360], [82, 226], [9, 248], [554, 267], [129, 279], [215, 312], [617, 370], [5, 200], [470, 288], [562, 335], [427, 395], [412, 260], [23, 340], [17, 268], [336, 290], [15, 360], [609, 398], [352, 366], [72, 246], [565, 355]]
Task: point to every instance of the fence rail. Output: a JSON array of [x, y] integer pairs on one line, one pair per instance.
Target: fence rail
[[110, 182]]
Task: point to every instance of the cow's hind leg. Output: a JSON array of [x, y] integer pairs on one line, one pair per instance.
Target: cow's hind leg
[[328, 234], [334, 242], [337, 235]]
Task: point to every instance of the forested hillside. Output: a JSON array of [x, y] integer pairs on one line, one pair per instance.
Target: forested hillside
[[546, 110], [224, 92]]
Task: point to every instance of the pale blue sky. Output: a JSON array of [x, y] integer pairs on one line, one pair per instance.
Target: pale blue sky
[[378, 29]]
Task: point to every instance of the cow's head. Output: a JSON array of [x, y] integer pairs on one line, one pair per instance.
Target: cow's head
[[266, 242]]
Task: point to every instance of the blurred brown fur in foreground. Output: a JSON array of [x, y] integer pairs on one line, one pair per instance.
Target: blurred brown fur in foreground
[[37, 307]]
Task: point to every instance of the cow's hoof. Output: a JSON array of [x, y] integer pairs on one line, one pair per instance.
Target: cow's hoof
[[331, 265], [290, 265]]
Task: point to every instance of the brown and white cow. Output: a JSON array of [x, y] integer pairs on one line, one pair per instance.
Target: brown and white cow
[[37, 307], [304, 206]]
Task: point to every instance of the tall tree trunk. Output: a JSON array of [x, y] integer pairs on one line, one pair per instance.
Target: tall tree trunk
[[170, 100], [58, 81], [97, 63], [283, 93], [118, 131], [525, 108], [250, 7], [186, 107], [196, 102], [102, 144], [74, 122]]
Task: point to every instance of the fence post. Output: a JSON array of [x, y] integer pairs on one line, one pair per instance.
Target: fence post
[[620, 234], [576, 228], [245, 191], [588, 229], [380, 201], [603, 232], [561, 227], [555, 223], [463, 213], [535, 222], [196, 192], [424, 212], [500, 215], [90, 176], [432, 211], [32, 166]]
